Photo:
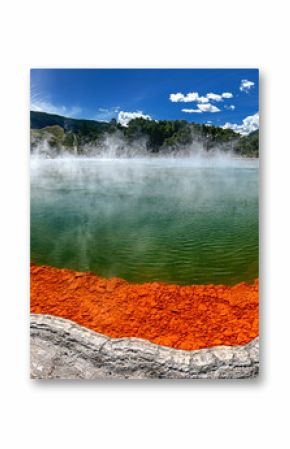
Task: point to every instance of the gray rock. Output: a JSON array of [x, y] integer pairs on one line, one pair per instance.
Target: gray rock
[[61, 349]]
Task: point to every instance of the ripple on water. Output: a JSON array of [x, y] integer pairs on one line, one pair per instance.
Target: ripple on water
[[147, 222]]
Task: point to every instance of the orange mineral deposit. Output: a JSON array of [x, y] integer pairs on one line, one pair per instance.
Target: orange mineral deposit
[[183, 317]]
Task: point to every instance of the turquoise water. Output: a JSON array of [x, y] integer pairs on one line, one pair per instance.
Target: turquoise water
[[180, 221]]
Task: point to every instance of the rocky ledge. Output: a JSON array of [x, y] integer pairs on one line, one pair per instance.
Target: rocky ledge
[[61, 349]]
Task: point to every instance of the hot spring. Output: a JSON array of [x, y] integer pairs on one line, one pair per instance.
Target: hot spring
[[183, 221]]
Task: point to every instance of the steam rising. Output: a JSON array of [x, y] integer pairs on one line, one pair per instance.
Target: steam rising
[[115, 146], [177, 219], [182, 215]]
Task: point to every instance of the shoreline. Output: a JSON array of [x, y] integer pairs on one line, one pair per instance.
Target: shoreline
[[61, 349], [181, 317]]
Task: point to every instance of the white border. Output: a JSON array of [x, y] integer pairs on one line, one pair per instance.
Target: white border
[[145, 34]]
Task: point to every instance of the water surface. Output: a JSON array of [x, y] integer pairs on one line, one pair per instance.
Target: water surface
[[180, 221]]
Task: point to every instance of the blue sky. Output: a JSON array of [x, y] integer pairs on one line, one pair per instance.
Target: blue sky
[[222, 97]]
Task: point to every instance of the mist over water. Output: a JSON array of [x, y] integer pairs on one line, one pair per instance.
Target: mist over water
[[115, 146], [181, 220]]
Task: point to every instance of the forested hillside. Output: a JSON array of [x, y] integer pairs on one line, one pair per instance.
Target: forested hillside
[[56, 134]]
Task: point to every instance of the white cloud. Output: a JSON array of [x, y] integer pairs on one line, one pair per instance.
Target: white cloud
[[191, 97], [219, 97], [208, 107], [249, 124], [45, 106], [246, 85], [188, 98], [214, 97], [106, 114], [191, 111], [231, 107], [202, 99], [125, 117], [227, 95]]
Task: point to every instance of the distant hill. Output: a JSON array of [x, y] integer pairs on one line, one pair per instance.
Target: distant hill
[[40, 120], [54, 134]]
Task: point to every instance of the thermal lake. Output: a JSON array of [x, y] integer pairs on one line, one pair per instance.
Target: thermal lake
[[183, 221]]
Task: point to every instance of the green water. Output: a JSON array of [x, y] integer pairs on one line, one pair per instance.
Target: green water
[[179, 221]]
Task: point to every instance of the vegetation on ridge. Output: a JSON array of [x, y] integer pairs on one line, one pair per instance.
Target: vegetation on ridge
[[58, 134]]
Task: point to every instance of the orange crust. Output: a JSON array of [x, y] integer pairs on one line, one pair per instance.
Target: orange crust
[[183, 317]]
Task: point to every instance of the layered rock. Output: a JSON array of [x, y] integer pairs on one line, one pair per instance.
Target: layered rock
[[61, 349]]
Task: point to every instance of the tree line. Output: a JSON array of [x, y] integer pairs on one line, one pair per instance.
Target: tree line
[[160, 136]]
